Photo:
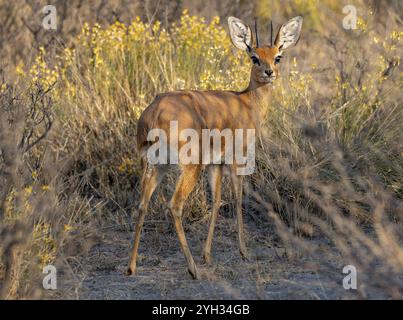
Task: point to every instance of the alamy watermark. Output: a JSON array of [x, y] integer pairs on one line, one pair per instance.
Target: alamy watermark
[[49, 282], [213, 151], [350, 20], [49, 22], [350, 280]]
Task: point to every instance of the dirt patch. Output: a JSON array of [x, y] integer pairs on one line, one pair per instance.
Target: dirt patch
[[162, 273]]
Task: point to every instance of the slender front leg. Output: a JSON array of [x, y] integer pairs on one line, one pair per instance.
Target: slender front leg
[[214, 177]]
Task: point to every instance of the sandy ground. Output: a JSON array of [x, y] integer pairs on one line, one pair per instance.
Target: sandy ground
[[162, 273]]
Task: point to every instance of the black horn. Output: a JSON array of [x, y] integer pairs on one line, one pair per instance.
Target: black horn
[[256, 34], [271, 33]]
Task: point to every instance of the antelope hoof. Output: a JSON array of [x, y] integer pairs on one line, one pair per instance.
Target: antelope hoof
[[130, 271], [194, 273], [244, 254]]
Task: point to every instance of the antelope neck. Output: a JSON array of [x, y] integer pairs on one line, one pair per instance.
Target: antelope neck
[[257, 94]]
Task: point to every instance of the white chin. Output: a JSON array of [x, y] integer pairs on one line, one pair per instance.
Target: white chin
[[266, 80]]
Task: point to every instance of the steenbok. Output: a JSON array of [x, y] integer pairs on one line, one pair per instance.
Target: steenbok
[[200, 110]]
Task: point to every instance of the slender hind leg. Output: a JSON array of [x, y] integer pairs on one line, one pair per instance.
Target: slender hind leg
[[237, 187], [184, 186], [214, 177], [152, 176]]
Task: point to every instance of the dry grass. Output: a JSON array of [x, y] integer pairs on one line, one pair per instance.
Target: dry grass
[[329, 169]]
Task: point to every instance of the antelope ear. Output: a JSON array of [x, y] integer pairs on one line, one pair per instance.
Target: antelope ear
[[289, 34], [241, 34]]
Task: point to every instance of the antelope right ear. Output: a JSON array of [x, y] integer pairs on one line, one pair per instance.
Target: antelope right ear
[[241, 34]]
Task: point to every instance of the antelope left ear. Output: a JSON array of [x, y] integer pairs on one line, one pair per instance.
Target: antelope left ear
[[289, 34]]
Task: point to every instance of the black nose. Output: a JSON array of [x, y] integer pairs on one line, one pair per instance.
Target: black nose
[[268, 72]]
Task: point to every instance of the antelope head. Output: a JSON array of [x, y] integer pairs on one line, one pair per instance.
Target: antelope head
[[265, 58]]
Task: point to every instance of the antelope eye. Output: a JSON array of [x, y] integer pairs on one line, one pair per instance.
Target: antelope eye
[[277, 59], [255, 60]]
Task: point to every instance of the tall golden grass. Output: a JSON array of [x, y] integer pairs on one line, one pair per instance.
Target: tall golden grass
[[329, 163]]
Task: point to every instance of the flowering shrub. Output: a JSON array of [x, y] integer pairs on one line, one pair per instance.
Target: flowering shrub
[[130, 64]]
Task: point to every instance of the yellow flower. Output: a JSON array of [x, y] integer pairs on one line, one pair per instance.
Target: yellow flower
[[396, 35], [361, 24], [34, 174], [68, 228], [28, 190], [126, 165], [19, 69]]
